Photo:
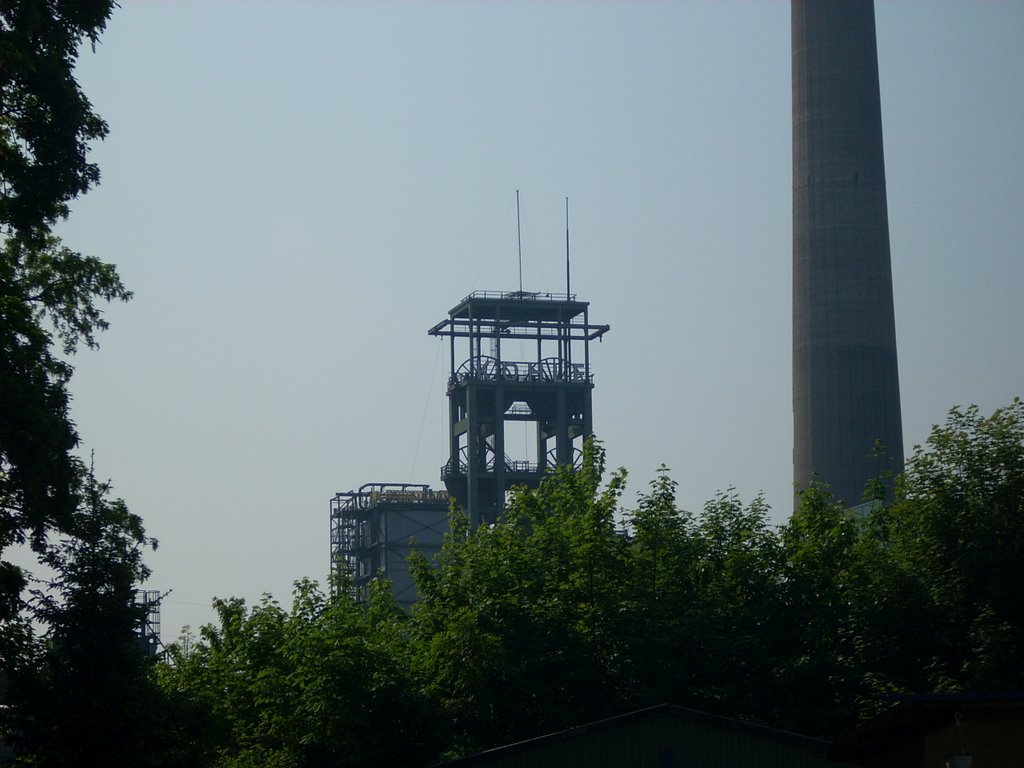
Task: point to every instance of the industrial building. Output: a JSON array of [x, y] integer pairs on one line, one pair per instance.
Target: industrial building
[[957, 730], [518, 362], [665, 735], [375, 529]]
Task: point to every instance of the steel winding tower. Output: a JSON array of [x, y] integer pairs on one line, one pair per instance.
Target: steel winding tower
[[515, 357], [845, 378]]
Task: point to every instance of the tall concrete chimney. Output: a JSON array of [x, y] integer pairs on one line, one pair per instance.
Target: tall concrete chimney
[[845, 380]]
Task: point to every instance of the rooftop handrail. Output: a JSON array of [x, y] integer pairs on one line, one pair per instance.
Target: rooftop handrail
[[344, 504], [521, 295]]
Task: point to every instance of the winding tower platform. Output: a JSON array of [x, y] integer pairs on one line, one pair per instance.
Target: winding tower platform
[[515, 357]]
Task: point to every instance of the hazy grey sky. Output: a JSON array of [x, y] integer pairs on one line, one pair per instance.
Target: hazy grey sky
[[297, 191]]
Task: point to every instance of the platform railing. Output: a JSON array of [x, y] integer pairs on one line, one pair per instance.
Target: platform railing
[[521, 296], [460, 469], [550, 369]]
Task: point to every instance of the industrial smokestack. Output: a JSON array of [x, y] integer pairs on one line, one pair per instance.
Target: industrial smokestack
[[845, 379]]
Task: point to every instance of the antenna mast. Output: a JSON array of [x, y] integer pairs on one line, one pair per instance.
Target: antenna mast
[[568, 293], [519, 238]]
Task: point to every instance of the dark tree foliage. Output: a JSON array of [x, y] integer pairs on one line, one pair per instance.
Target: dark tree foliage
[[555, 616], [83, 694], [572, 620], [80, 691], [48, 293], [46, 122], [738, 607], [528, 607], [807, 626], [958, 524], [327, 683]]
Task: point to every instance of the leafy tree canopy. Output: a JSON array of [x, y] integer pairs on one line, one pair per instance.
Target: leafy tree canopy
[[558, 615], [48, 293], [326, 683], [46, 122], [82, 693], [80, 690]]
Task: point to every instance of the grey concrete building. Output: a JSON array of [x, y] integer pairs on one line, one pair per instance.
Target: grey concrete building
[[845, 378], [375, 529]]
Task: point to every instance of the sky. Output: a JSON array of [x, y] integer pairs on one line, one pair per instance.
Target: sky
[[296, 192]]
